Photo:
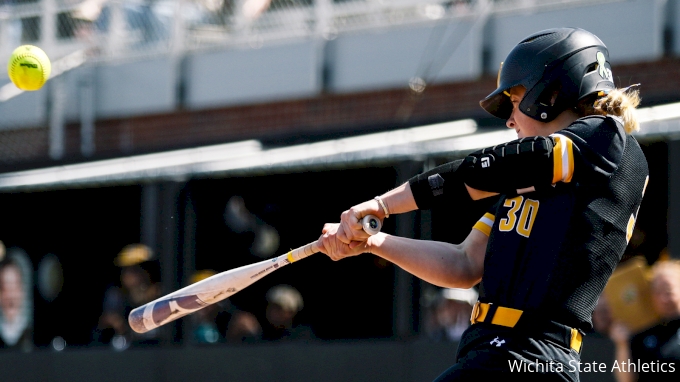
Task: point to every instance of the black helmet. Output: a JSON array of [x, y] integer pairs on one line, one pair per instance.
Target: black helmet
[[568, 62]]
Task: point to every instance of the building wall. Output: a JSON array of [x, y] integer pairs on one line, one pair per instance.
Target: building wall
[[243, 76], [386, 59]]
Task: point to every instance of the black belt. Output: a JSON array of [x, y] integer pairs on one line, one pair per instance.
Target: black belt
[[509, 317]]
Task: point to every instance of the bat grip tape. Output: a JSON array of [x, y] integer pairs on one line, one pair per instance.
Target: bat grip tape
[[302, 252]]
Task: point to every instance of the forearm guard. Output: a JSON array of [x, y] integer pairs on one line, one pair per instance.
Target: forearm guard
[[442, 181]]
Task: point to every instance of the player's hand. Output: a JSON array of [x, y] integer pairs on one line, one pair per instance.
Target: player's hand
[[336, 249], [351, 231], [619, 333]]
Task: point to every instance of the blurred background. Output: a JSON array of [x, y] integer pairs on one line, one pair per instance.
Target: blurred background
[[179, 138]]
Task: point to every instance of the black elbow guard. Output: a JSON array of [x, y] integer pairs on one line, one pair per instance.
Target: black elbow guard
[[512, 166], [442, 181]]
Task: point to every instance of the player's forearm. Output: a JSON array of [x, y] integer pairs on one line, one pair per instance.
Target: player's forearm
[[439, 263], [622, 356], [399, 200]]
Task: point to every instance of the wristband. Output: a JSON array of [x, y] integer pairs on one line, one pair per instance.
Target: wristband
[[384, 207]]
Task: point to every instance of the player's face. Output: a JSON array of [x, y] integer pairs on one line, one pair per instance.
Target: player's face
[[11, 292], [526, 126], [666, 294]]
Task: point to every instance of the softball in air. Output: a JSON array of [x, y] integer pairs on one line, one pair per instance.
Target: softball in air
[[29, 67]]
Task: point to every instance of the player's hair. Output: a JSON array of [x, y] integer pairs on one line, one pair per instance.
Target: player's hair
[[618, 102], [662, 266]]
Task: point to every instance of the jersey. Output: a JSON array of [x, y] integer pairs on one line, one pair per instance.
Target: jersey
[[552, 249]]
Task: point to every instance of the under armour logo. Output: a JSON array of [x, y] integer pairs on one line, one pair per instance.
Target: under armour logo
[[497, 342], [485, 162]]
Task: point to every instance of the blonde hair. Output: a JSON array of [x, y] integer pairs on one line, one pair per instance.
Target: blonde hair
[[665, 266], [621, 103]]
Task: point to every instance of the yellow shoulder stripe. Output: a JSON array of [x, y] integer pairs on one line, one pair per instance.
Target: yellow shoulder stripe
[[485, 224], [563, 159]]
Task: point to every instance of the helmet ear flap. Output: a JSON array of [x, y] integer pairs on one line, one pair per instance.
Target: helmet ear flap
[[544, 102]]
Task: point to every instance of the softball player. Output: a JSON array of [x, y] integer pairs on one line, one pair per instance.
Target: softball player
[[567, 197]]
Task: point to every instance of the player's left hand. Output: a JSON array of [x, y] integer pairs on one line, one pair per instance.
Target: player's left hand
[[619, 333], [335, 248]]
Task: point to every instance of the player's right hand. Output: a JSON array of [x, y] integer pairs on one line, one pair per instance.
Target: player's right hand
[[619, 333]]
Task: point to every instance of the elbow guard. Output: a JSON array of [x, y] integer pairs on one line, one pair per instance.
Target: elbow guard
[[512, 166]]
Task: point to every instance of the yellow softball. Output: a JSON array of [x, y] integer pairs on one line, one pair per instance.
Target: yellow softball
[[29, 67]]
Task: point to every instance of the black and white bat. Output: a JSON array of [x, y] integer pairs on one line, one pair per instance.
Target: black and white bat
[[220, 286]]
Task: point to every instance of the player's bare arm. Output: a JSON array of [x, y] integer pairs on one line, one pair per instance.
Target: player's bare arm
[[439, 263]]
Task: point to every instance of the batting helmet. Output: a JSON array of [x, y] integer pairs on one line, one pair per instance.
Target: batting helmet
[[558, 67]]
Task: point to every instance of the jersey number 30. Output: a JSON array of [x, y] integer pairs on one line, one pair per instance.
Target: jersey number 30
[[523, 223]]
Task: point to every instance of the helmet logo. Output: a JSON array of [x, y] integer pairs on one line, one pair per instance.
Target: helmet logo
[[601, 68]]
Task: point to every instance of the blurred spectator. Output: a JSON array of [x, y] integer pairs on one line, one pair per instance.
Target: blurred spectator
[[659, 345], [602, 317], [460, 7], [263, 239], [283, 304], [147, 20], [136, 289], [16, 301], [451, 314], [243, 327], [204, 321], [222, 321]]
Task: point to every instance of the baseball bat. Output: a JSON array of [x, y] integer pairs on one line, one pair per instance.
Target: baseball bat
[[220, 286]]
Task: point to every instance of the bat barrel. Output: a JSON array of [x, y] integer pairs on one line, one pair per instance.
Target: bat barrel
[[218, 287], [154, 314]]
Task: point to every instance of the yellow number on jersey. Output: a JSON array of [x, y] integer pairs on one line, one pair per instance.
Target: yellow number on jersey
[[527, 216], [508, 224]]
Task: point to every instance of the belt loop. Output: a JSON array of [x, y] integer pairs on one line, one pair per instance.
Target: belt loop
[[576, 342], [491, 313], [475, 313]]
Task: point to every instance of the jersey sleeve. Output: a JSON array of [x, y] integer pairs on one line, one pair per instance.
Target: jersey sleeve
[[589, 148], [597, 144], [485, 224]]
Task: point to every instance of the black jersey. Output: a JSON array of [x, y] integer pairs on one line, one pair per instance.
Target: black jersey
[[551, 251]]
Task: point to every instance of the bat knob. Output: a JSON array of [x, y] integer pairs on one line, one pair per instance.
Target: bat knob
[[371, 224], [136, 321]]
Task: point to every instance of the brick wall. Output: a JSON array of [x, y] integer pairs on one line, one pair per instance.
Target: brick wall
[[285, 122]]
